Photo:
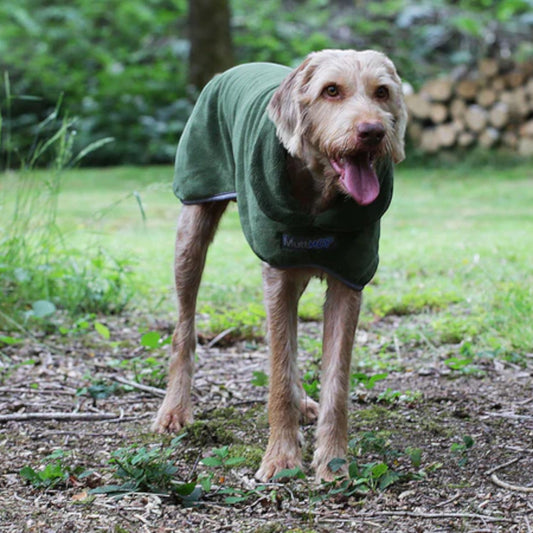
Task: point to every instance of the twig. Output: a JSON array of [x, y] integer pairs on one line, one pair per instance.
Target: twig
[[517, 449], [7, 390], [450, 500], [430, 516], [508, 463], [497, 481], [146, 388], [526, 401], [220, 336], [517, 488], [24, 417], [511, 416]]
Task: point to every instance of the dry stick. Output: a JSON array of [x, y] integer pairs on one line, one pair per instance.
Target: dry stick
[[146, 388], [518, 488], [220, 336], [508, 463], [23, 417], [69, 417], [497, 481], [58, 392], [432, 516]]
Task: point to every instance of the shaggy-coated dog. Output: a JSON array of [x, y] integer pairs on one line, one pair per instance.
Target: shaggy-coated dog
[[308, 155]]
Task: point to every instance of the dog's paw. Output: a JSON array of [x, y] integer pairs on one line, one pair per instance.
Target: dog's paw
[[270, 468], [309, 410], [172, 420], [278, 458], [323, 472]]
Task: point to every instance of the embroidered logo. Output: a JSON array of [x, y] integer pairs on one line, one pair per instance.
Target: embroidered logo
[[297, 242]]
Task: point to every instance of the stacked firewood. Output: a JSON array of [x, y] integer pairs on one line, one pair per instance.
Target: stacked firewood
[[489, 107]]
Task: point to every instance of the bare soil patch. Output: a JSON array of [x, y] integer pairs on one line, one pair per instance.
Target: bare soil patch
[[488, 488]]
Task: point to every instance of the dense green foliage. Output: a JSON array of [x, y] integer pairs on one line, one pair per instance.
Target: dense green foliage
[[120, 66]]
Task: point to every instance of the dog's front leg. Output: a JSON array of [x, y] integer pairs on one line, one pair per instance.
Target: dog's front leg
[[196, 228], [282, 290], [341, 313]]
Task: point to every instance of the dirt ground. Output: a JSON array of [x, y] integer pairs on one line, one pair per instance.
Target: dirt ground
[[488, 488]]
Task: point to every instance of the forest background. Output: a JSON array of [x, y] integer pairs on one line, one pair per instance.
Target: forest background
[[119, 69]]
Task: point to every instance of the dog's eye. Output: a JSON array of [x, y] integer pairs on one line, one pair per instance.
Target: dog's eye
[[381, 93], [332, 91]]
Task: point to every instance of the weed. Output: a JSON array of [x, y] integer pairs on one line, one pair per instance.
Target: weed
[[368, 381], [391, 396], [460, 450], [375, 475], [220, 457], [55, 472], [99, 390], [143, 469], [245, 323], [464, 362], [260, 378], [39, 273]]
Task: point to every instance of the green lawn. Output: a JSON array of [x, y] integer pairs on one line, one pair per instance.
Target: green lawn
[[456, 249]]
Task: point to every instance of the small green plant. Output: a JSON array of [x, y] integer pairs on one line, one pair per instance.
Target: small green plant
[[220, 458], [99, 390], [392, 396], [464, 362], [260, 378], [369, 381], [55, 472], [374, 475], [460, 450], [143, 469]]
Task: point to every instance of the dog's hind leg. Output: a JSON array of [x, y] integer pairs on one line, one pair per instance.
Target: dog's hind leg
[[282, 290], [341, 313], [196, 228]]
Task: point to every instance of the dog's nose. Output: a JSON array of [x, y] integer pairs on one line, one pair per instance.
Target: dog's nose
[[370, 133]]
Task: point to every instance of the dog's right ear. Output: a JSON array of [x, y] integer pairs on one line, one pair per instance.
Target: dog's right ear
[[285, 107]]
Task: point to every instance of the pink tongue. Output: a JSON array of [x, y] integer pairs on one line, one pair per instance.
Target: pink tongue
[[358, 178]]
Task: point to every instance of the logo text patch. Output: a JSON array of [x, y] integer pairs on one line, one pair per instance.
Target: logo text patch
[[298, 242]]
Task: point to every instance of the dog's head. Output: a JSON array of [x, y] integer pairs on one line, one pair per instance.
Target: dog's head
[[343, 109]]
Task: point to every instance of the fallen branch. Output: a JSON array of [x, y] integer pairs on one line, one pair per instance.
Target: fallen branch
[[58, 392], [60, 417], [146, 388], [220, 336], [429, 516], [517, 488], [508, 463], [510, 416], [497, 481]]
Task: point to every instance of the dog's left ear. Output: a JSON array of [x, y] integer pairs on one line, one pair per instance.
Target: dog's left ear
[[285, 107], [400, 122]]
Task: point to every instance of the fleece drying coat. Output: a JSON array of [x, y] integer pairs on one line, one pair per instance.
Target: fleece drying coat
[[229, 150]]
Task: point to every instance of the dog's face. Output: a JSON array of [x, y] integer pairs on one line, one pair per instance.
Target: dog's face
[[343, 109]]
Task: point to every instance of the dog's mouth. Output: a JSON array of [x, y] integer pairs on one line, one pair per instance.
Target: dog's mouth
[[357, 176]]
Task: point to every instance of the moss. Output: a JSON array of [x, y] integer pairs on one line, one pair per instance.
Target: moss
[[252, 454], [209, 433], [373, 414]]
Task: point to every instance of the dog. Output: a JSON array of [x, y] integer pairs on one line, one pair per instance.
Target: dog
[[308, 155]]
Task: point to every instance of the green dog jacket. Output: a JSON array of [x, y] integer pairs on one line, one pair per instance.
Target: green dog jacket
[[229, 150]]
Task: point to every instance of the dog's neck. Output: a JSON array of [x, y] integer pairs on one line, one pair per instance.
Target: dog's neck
[[312, 183]]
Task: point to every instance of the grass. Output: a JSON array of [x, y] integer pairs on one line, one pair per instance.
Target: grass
[[455, 250]]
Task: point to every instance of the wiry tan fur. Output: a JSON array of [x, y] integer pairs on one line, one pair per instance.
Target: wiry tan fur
[[314, 129]]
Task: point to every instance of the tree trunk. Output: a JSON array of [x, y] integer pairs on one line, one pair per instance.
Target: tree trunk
[[210, 38]]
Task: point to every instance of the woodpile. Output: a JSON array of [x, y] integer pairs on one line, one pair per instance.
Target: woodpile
[[491, 106]]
